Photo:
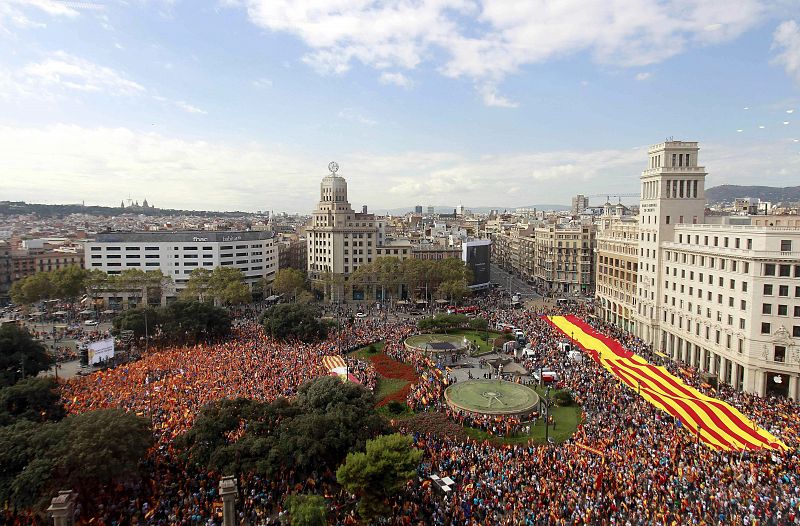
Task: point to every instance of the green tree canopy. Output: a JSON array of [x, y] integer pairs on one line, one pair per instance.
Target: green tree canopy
[[289, 281], [380, 473], [178, 323], [307, 510], [478, 324], [305, 435], [293, 320], [83, 452], [442, 322], [34, 399], [222, 286], [20, 355]]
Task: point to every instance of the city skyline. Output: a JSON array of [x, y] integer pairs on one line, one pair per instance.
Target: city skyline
[[239, 105]]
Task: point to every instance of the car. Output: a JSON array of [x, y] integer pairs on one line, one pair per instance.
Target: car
[[360, 315], [91, 323]]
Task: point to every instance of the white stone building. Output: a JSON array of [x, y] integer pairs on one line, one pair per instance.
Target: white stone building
[[721, 296], [177, 254]]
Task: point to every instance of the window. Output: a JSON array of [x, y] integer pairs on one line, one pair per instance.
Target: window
[[783, 291], [769, 269], [796, 331], [767, 289], [786, 245], [780, 353], [797, 312], [667, 219], [785, 271], [766, 308], [783, 310], [765, 328], [96, 249]]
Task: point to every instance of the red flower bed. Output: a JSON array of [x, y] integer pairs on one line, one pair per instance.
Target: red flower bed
[[390, 368]]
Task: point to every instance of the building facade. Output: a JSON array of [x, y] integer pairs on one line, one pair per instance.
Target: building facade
[[731, 304], [565, 258], [672, 192], [617, 269], [177, 254], [721, 294]]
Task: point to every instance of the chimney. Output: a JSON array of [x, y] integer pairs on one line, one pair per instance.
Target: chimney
[[364, 209]]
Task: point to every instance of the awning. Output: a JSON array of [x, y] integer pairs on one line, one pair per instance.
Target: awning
[[108, 311], [403, 302], [421, 302], [442, 301], [274, 297], [60, 313], [86, 312], [36, 313]]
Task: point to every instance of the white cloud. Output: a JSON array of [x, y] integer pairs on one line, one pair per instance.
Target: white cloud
[[398, 79], [787, 41], [64, 71], [352, 115], [644, 75], [491, 97], [486, 40], [101, 165], [16, 13], [188, 108], [262, 83]]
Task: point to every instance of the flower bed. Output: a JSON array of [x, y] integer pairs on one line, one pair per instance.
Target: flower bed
[[390, 368]]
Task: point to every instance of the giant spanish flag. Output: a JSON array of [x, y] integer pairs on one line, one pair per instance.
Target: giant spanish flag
[[719, 425]]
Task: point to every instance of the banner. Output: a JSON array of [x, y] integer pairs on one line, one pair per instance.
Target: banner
[[101, 350]]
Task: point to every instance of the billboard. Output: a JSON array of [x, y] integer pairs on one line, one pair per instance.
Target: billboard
[[476, 255], [100, 351]]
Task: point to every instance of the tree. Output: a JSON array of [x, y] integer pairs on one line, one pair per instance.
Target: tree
[[478, 324], [442, 322], [293, 320], [222, 286], [141, 321], [178, 323], [380, 473], [82, 452], [191, 321], [327, 420], [33, 288], [307, 510], [69, 282], [20, 355], [289, 281], [34, 399], [198, 286], [334, 418]]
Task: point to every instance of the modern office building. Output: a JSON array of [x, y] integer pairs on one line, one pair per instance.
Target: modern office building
[[177, 254], [476, 255]]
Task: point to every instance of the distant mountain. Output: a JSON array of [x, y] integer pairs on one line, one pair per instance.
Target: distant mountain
[[21, 207], [727, 193], [476, 209]]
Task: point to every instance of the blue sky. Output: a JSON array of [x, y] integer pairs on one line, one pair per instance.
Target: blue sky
[[240, 104]]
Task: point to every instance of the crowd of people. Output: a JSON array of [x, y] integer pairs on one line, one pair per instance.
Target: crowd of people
[[628, 463]]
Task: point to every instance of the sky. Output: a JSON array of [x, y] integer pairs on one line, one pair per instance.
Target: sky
[[241, 104]]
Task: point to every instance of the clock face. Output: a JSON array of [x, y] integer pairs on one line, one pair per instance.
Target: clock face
[[333, 166]]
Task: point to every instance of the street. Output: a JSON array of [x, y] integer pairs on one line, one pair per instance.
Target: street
[[515, 286]]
